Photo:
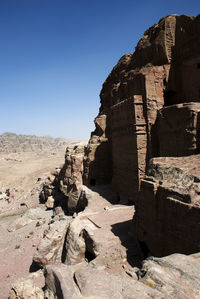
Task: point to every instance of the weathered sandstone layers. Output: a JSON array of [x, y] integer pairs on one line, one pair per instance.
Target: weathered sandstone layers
[[150, 104], [163, 70], [168, 210], [149, 108]]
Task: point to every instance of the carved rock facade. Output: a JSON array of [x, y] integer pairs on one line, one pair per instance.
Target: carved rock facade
[[162, 71], [150, 105]]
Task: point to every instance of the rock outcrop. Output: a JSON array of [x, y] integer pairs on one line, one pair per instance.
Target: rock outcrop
[[170, 194], [25, 289], [162, 71], [100, 259], [65, 186], [70, 176], [150, 103], [178, 130], [175, 276], [149, 108], [50, 248]]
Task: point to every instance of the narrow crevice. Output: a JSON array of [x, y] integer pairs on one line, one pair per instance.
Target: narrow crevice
[[76, 282], [59, 292], [64, 251]]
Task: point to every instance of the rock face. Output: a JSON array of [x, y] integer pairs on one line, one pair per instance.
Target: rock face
[[175, 276], [25, 289], [65, 186], [50, 248], [170, 194], [149, 108], [70, 176], [97, 159], [162, 71], [178, 128]]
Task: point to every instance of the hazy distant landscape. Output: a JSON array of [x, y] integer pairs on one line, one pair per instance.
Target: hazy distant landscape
[[13, 143]]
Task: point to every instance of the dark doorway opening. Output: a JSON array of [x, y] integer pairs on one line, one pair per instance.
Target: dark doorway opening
[[144, 248], [169, 97], [92, 182], [118, 198]]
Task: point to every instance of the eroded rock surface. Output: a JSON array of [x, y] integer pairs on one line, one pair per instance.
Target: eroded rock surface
[[170, 194], [175, 276], [149, 108], [178, 130], [50, 248], [65, 186], [25, 289]]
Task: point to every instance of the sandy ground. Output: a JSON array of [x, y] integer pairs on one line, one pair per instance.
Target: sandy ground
[[19, 173], [17, 249]]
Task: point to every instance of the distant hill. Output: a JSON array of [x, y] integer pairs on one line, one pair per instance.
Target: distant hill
[[13, 143]]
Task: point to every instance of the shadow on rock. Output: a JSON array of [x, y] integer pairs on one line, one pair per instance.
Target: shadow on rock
[[34, 267], [135, 255]]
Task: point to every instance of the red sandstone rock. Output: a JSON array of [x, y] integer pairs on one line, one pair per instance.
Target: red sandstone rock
[[167, 214], [162, 71], [178, 130]]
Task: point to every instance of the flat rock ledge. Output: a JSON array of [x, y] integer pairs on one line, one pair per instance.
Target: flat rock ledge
[[93, 255]]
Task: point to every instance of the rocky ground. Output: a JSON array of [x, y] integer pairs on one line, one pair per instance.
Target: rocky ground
[[92, 254], [88, 252], [22, 175], [20, 235], [21, 179]]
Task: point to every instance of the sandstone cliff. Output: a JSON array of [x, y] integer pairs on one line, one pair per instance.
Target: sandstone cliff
[[163, 70], [149, 108]]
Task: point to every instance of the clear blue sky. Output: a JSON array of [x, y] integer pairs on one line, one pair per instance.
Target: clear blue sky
[[56, 54]]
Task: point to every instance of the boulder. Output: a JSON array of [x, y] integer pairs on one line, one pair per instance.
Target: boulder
[[28, 217], [50, 248], [25, 289], [175, 276], [50, 202], [99, 284], [60, 282]]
